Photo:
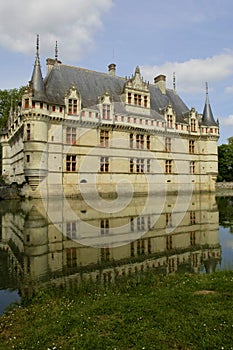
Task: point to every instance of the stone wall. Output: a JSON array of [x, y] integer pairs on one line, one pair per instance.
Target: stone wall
[[224, 185]]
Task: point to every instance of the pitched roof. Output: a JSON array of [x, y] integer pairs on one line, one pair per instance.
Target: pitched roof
[[92, 85]]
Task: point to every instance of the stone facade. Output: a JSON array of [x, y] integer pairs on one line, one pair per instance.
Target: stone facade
[[80, 131]]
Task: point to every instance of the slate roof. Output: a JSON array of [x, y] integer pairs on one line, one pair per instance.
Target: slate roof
[[91, 85], [208, 118]]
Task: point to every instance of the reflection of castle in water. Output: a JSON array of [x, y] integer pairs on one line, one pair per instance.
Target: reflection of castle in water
[[70, 238]]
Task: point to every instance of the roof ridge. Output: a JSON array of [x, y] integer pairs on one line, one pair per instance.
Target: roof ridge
[[92, 71]]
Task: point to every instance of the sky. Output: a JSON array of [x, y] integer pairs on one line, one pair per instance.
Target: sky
[[191, 38]]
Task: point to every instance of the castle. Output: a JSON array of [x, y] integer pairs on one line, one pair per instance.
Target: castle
[[81, 131]]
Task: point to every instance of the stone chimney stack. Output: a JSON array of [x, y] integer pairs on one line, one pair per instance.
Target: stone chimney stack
[[160, 81], [112, 69], [50, 63]]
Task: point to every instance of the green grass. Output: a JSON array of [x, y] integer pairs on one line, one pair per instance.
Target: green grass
[[146, 311]]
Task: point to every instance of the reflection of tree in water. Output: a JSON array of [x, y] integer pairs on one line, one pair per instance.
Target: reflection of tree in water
[[225, 207]]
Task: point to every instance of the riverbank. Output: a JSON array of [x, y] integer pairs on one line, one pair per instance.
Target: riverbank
[[146, 311]]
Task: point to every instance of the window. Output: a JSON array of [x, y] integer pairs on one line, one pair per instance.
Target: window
[[168, 166], [104, 138], [140, 141], [148, 165], [28, 158], [192, 167], [70, 135], [71, 257], [136, 99], [73, 106], [131, 140], [60, 109], [106, 111], [191, 146], [132, 224], [105, 254], [26, 103], [139, 100], [140, 165], [192, 238], [71, 162], [71, 230], [169, 242], [104, 164], [168, 219], [148, 142], [54, 108], [33, 104], [140, 223], [168, 144], [28, 132], [41, 105], [149, 245], [169, 121], [193, 125], [129, 98], [131, 165], [171, 265], [192, 216], [145, 101], [132, 253], [104, 226]]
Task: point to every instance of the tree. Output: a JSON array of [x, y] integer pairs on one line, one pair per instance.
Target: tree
[[225, 161], [8, 99]]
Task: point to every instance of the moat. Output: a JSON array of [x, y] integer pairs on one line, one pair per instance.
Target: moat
[[65, 241]]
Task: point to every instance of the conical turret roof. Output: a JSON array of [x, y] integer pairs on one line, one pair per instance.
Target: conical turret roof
[[207, 117], [37, 79]]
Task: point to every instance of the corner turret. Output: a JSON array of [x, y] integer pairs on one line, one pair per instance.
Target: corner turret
[[207, 117]]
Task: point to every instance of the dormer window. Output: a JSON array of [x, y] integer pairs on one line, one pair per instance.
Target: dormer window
[[193, 125], [169, 121], [73, 106], [26, 103], [106, 111]]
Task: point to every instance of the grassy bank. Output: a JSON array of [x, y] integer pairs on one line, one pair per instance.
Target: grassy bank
[[144, 312]]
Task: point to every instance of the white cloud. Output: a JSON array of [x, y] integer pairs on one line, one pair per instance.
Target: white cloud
[[192, 74], [229, 89], [72, 23], [226, 121]]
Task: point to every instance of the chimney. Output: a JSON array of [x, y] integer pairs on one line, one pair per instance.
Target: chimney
[[50, 63], [160, 82], [112, 69]]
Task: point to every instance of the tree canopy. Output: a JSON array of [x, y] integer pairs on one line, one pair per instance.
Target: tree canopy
[[225, 161], [8, 98]]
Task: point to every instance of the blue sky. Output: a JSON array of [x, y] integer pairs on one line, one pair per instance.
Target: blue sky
[[192, 38]]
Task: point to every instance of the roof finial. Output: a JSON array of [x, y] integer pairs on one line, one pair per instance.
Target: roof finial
[[37, 45], [56, 52], [174, 81], [206, 88]]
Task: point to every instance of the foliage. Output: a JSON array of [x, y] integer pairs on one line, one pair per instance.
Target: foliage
[[225, 161], [225, 207], [8, 99], [145, 311]]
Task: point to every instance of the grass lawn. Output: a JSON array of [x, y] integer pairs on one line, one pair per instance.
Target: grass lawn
[[146, 311]]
